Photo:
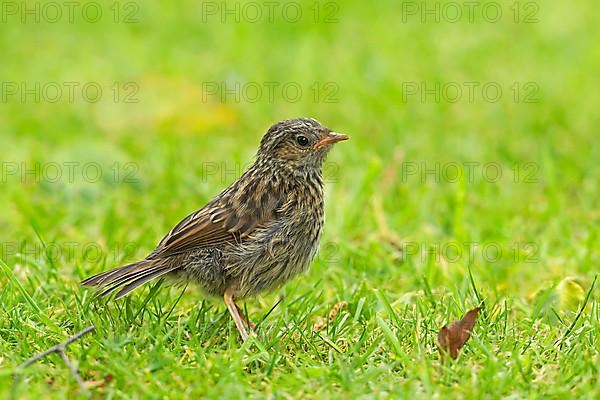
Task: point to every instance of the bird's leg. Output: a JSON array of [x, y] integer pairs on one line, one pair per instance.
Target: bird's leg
[[246, 319], [233, 310]]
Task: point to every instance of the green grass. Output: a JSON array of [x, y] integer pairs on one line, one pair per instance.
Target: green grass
[[537, 336]]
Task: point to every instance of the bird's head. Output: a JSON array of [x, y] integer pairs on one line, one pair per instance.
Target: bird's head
[[300, 143]]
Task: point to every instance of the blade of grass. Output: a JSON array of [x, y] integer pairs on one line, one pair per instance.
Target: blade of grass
[[383, 299], [561, 341], [15, 282], [390, 338]]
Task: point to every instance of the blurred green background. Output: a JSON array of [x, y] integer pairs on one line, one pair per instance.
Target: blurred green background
[[162, 124]]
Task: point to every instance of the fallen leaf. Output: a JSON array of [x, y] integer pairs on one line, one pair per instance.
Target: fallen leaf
[[452, 338]]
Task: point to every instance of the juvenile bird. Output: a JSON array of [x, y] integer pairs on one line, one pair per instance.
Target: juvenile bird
[[256, 234]]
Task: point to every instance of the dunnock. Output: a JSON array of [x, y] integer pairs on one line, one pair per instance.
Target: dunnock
[[254, 236]]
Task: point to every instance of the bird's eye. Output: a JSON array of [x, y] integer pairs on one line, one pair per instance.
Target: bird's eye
[[302, 140]]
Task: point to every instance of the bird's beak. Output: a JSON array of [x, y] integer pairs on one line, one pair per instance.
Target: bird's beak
[[331, 138]]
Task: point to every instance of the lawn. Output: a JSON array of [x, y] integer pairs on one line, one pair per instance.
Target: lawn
[[471, 178]]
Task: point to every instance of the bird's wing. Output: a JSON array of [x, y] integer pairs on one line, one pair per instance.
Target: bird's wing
[[227, 219]]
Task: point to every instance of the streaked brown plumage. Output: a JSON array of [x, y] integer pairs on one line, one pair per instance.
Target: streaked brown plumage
[[255, 235]]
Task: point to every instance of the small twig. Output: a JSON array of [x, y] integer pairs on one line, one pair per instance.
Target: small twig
[[73, 369], [61, 350]]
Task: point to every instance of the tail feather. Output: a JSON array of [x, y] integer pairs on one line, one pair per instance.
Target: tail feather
[[119, 280], [136, 282], [109, 276], [134, 276], [130, 276]]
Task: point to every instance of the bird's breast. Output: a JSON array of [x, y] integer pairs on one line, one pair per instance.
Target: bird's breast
[[284, 247]]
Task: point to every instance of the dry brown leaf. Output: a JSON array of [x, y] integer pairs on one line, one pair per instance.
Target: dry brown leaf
[[452, 338]]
